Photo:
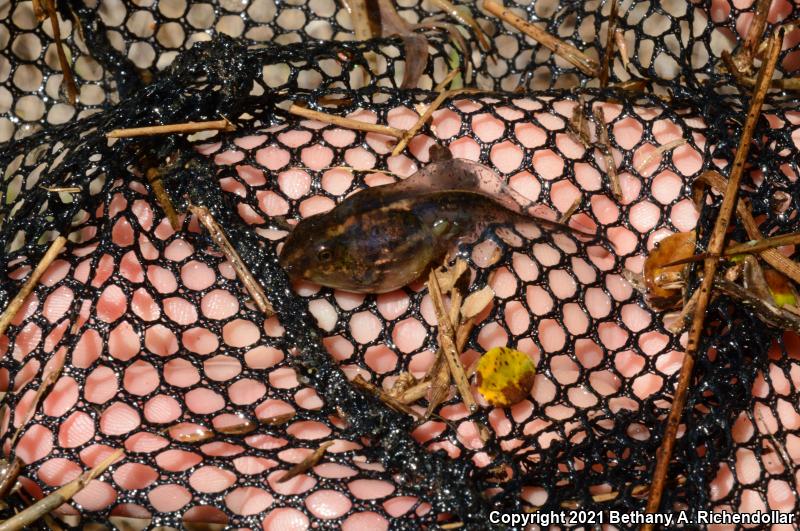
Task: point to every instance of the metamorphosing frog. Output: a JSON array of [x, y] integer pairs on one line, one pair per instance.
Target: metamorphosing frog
[[382, 238]]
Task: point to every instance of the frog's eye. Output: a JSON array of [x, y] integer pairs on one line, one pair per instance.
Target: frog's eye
[[325, 255]]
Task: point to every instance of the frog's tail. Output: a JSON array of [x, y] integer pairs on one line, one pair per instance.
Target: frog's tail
[[583, 235]]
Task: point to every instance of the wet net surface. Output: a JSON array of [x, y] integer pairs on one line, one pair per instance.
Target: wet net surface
[[165, 355]]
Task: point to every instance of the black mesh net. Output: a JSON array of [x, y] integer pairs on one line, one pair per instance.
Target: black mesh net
[[165, 354]]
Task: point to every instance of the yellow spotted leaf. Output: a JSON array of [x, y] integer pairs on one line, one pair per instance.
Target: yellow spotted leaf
[[505, 376]]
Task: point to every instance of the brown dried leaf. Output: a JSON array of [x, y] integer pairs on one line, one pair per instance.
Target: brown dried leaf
[[277, 420], [476, 302], [306, 463], [405, 381]]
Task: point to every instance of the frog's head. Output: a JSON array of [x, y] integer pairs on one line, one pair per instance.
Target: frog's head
[[316, 252]]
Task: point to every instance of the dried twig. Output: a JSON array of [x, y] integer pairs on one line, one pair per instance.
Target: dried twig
[[153, 176], [419, 390], [188, 127], [571, 210], [61, 189], [307, 463], [447, 343], [9, 476], [664, 454], [751, 247], [217, 234], [348, 123], [583, 62], [755, 246], [738, 66], [66, 68], [16, 303], [47, 382], [604, 145], [435, 104], [59, 497], [605, 66], [659, 152], [362, 28]]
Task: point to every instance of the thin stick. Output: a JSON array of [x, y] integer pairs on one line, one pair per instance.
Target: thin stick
[[9, 478], [57, 498], [767, 243], [605, 149], [217, 234], [659, 152], [16, 303], [583, 62], [187, 127], [571, 210], [610, 42], [751, 247], [446, 81], [435, 104], [44, 386], [447, 343], [307, 463], [348, 123], [154, 179], [60, 189], [664, 455], [66, 69]]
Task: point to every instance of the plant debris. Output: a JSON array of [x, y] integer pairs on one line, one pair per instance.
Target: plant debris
[[447, 342], [604, 145], [59, 497], [583, 62], [219, 237], [716, 245], [16, 303], [505, 376], [306, 464]]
